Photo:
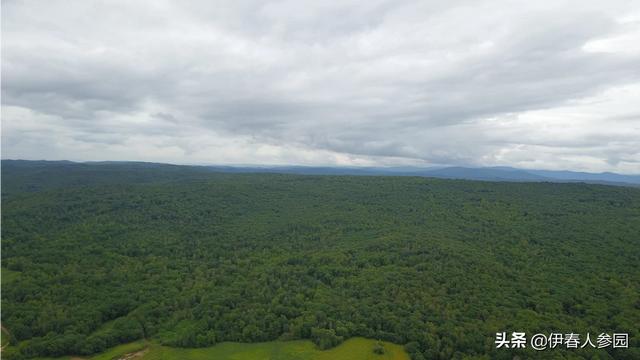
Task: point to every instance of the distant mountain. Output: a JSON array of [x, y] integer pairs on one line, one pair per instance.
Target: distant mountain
[[583, 176], [146, 171], [483, 173], [490, 174], [456, 172]]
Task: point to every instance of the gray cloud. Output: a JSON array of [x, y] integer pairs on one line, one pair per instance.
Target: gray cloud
[[554, 84]]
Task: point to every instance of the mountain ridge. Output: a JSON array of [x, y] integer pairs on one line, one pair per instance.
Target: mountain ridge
[[495, 173]]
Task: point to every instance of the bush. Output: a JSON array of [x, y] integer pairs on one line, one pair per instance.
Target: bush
[[378, 348], [325, 338]]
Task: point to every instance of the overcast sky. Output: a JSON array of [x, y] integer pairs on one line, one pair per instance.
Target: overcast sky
[[530, 84]]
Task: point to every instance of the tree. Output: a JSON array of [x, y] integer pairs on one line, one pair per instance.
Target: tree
[[325, 338], [378, 348]]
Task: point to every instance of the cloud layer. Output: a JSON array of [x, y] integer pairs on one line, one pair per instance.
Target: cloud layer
[[550, 84]]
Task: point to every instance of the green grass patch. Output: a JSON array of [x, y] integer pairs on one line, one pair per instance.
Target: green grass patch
[[360, 348], [120, 350], [352, 349]]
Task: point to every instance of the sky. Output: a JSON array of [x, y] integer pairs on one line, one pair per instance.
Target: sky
[[529, 84]]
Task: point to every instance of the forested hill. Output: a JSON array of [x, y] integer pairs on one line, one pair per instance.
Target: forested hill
[[33, 176], [99, 255], [87, 173]]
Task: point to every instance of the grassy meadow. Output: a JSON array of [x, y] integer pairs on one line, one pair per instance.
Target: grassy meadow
[[352, 349]]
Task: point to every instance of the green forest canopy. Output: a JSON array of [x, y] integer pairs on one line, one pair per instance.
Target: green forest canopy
[[103, 254]]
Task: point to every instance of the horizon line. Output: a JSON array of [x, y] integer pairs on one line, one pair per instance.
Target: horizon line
[[337, 166]]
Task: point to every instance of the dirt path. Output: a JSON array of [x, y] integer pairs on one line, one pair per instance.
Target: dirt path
[[130, 356], [134, 355]]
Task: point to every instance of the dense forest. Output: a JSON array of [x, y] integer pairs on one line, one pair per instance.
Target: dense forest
[[95, 255]]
